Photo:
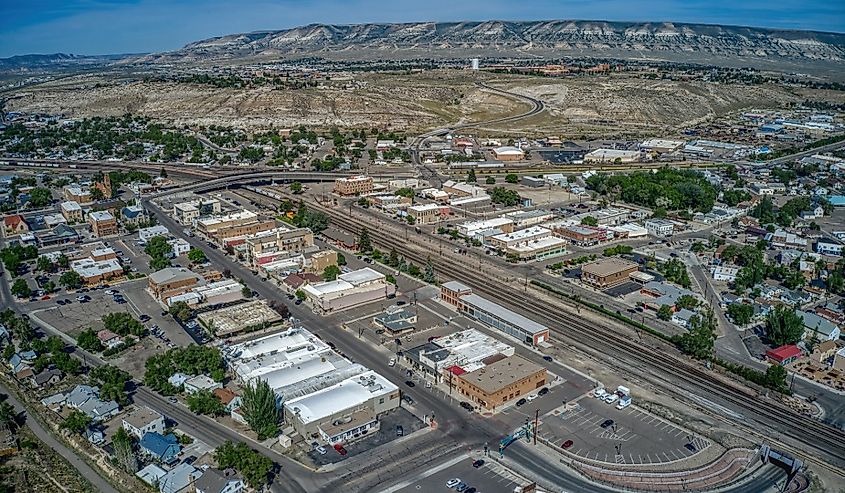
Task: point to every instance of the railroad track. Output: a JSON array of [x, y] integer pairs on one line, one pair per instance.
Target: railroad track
[[826, 440]]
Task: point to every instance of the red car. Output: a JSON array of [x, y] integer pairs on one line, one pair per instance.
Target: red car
[[45, 297], [340, 449], [567, 444]]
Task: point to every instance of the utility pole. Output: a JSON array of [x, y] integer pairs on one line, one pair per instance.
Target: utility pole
[[536, 424]]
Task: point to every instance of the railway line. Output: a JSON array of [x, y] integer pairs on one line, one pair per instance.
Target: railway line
[[827, 442]]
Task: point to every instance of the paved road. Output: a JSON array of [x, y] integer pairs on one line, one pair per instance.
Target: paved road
[[45, 436]]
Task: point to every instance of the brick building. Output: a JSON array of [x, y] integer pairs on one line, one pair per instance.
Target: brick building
[[606, 273], [353, 185], [499, 382], [102, 223]]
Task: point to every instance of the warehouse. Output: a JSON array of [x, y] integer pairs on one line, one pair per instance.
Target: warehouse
[[469, 229], [259, 356], [348, 290], [508, 153], [523, 219], [660, 146], [489, 313]]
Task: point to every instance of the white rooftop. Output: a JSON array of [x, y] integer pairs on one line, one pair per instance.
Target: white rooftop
[[90, 268], [293, 342], [524, 234], [548, 241], [347, 394], [101, 216], [235, 216], [71, 205]]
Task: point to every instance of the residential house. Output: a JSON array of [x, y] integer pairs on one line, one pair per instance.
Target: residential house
[[217, 481], [201, 382], [824, 352], [151, 474], [95, 435], [724, 273], [683, 317], [824, 329], [109, 339], [828, 248], [47, 378], [178, 479], [229, 399], [178, 379], [163, 448], [143, 420], [87, 399]]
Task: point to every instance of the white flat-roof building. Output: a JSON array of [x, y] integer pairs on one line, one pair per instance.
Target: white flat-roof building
[[93, 271], [472, 227], [529, 243], [351, 289], [661, 145], [147, 234], [612, 156], [343, 411]]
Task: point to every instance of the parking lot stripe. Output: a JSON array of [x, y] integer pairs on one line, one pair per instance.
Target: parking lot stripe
[[640, 457], [649, 458], [667, 457], [673, 454]]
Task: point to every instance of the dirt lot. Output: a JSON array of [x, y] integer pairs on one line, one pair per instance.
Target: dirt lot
[[574, 106]]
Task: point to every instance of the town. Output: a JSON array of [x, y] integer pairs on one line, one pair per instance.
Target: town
[[220, 308]]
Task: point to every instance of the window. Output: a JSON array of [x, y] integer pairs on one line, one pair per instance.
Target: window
[[381, 401]]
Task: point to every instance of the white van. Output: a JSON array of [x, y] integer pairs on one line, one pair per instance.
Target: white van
[[611, 398], [600, 393]]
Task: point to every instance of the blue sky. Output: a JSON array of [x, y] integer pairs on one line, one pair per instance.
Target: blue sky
[[135, 26]]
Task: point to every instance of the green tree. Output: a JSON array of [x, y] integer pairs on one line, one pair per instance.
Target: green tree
[[331, 272], [87, 340], [8, 417], [254, 467], [96, 194], [40, 197], [197, 256], [300, 294], [364, 242], [589, 221], [180, 311], [490, 180], [160, 252], [784, 326], [341, 260], [75, 422], [699, 340], [258, 407], [512, 178], [123, 453], [205, 402], [70, 280], [393, 258], [776, 378], [21, 289], [246, 292], [390, 278], [835, 282], [44, 264], [429, 276], [296, 187], [686, 301], [471, 178], [112, 382], [49, 286], [122, 324], [63, 261], [741, 313], [664, 312]]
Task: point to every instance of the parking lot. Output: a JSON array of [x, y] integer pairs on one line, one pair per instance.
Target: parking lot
[[491, 477], [634, 437]]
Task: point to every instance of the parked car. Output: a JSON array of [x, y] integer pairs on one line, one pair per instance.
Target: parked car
[[467, 406], [407, 398], [531, 397], [81, 298], [548, 358], [144, 318], [600, 393], [339, 448], [400, 431], [610, 399], [521, 402], [453, 482], [478, 463], [567, 444], [543, 391], [461, 487], [607, 423], [320, 449], [410, 383]]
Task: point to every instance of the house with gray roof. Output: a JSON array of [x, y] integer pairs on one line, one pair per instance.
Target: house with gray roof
[[178, 479], [824, 329], [217, 481]]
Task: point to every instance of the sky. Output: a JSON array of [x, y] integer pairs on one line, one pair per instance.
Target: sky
[[92, 27]]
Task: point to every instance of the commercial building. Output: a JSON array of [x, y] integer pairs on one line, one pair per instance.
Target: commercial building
[[277, 243], [461, 189], [660, 227], [468, 349], [353, 185], [428, 213], [530, 243], [532, 181], [102, 223], [76, 194], [96, 271], [523, 219], [500, 382], [236, 224], [348, 290], [582, 235], [608, 272], [244, 317], [612, 156], [187, 212], [661, 146], [492, 314], [344, 411], [471, 228], [396, 320], [213, 293], [784, 355], [172, 281], [147, 234], [508, 153], [72, 211]]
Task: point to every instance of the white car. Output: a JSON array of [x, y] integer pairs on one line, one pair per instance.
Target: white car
[[610, 399], [530, 397], [111, 292], [453, 482], [392, 362], [600, 393], [320, 449]]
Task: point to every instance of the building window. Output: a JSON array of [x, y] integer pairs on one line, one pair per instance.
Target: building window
[[381, 401]]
